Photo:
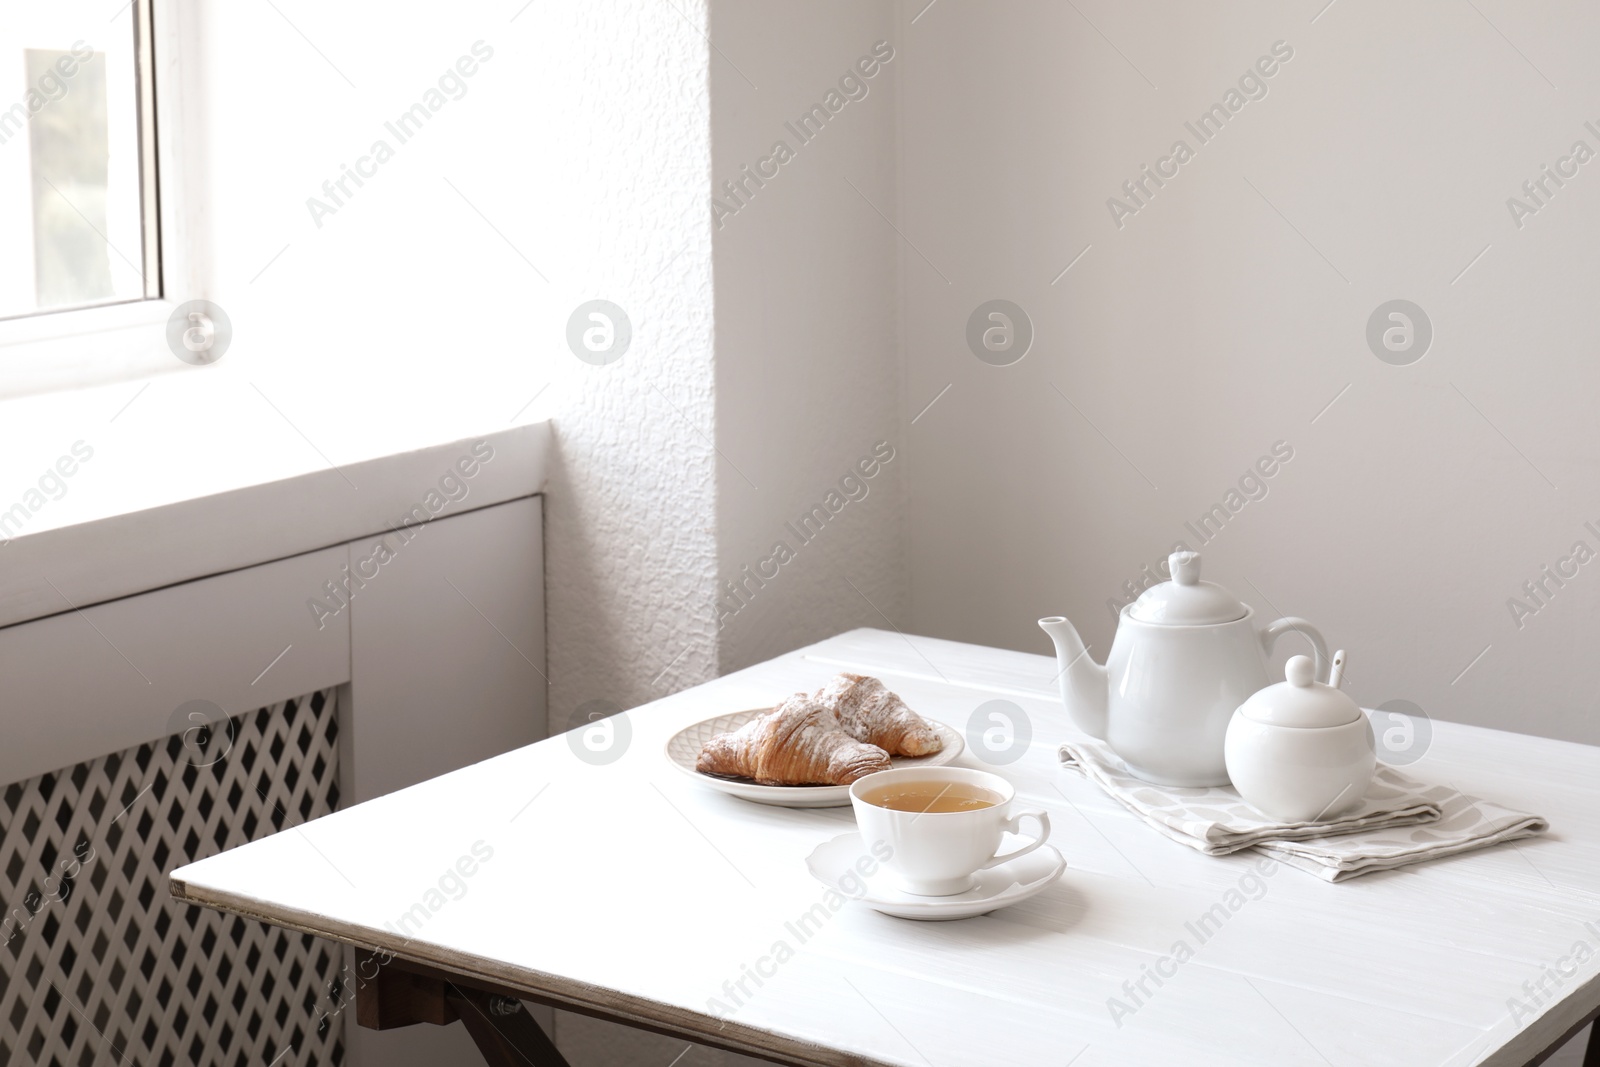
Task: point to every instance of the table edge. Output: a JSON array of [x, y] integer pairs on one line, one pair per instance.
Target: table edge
[[551, 989]]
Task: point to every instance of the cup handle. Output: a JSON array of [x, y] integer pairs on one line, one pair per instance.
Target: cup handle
[[1014, 825]]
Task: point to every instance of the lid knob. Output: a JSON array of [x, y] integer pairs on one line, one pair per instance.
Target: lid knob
[[1185, 567], [1300, 671], [1186, 600]]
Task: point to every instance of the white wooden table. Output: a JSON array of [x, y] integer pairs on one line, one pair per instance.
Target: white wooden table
[[628, 891]]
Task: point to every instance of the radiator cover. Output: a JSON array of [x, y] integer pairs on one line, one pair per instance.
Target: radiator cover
[[99, 965]]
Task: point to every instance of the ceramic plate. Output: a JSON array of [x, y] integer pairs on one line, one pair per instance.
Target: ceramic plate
[[684, 748], [999, 887]]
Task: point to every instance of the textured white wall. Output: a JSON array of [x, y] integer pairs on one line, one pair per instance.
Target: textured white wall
[[1230, 311], [631, 562], [807, 346]]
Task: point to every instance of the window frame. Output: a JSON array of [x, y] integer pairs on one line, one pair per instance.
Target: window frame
[[149, 171], [81, 347]]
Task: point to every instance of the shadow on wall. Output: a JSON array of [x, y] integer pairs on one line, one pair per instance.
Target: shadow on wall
[[579, 588]]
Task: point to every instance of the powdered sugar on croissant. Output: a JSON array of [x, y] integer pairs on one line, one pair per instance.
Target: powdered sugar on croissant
[[799, 742], [870, 713]]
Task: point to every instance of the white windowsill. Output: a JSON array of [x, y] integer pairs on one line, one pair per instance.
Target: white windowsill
[[61, 350], [201, 473]]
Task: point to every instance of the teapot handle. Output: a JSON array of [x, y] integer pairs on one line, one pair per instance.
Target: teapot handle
[[1274, 630]]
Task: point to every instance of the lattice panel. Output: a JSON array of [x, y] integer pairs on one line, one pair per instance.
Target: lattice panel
[[99, 965]]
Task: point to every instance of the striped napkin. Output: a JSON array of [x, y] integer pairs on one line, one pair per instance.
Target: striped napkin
[[1400, 820]]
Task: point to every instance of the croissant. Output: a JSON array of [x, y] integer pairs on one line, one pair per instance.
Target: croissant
[[870, 713], [797, 743]]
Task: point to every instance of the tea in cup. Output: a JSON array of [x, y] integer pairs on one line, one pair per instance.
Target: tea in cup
[[944, 824]]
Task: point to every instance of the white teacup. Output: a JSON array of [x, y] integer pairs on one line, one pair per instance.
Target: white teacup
[[937, 853]]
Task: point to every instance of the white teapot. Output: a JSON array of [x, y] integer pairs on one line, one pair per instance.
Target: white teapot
[[1186, 654]]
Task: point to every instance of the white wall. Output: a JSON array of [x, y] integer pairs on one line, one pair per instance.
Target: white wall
[[807, 345], [1228, 312]]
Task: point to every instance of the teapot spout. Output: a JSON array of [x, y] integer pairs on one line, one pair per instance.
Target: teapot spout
[[1083, 681]]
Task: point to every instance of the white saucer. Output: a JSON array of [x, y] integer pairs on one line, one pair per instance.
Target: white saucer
[[998, 887], [683, 749]]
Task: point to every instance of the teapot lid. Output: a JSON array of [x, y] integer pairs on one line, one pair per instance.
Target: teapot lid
[[1301, 700], [1186, 600]]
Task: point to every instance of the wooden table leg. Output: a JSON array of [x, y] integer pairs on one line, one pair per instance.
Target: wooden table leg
[[504, 1031], [388, 996]]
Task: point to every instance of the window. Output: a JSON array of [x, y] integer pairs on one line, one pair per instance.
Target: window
[[78, 221]]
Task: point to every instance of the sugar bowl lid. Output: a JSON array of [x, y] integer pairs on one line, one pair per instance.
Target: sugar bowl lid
[[1186, 600], [1301, 700]]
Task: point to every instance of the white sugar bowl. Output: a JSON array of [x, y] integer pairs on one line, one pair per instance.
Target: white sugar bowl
[[1301, 751]]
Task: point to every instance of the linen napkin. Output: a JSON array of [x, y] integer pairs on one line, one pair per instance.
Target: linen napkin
[[1399, 821], [1465, 823]]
